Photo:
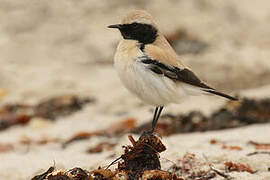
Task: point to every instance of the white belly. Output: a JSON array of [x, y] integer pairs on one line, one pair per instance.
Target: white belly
[[150, 87]]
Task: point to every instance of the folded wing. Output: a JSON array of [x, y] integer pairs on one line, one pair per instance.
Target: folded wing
[[179, 75]]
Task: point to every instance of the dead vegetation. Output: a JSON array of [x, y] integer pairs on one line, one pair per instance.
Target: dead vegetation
[[260, 146], [141, 160], [230, 166], [50, 109], [223, 145], [233, 114], [114, 130]]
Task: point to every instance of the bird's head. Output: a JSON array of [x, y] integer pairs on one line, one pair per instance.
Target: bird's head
[[138, 25]]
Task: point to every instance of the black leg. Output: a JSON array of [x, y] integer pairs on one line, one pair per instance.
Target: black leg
[[156, 117], [159, 112]]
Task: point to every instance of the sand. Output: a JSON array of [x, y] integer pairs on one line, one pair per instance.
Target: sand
[[63, 47]]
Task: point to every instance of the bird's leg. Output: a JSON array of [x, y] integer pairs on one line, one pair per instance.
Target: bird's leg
[[153, 123], [156, 117]]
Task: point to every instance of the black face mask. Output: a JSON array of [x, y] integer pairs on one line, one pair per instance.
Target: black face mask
[[144, 33]]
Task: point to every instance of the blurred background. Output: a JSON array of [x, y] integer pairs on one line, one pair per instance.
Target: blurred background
[[54, 48]]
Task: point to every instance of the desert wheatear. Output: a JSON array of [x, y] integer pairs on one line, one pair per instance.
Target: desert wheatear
[[149, 67]]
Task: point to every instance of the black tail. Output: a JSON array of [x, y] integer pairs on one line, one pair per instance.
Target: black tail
[[212, 91]]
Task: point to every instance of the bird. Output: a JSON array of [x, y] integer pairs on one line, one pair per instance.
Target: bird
[[149, 67]]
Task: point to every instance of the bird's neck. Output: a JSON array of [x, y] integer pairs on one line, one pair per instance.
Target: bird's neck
[[128, 49]]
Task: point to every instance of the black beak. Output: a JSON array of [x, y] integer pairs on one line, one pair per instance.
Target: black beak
[[117, 26]]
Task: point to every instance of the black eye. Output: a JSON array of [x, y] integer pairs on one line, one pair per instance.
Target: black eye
[[135, 25]]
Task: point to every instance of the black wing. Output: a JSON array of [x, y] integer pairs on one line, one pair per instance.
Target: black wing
[[182, 75]]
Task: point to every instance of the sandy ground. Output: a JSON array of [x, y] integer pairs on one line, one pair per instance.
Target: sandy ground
[[50, 48]]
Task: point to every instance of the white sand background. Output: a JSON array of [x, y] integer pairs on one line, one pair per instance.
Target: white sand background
[[50, 48]]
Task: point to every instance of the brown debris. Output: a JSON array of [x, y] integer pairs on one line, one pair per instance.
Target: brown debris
[[238, 148], [233, 114], [25, 140], [113, 130], [77, 174], [14, 115], [101, 147], [139, 160], [58, 175], [21, 114], [46, 140], [158, 174], [72, 174], [77, 137], [218, 172], [258, 152], [230, 166], [142, 156], [6, 147], [260, 146], [131, 139], [224, 146], [121, 175], [170, 124], [189, 168], [121, 127], [60, 106], [43, 175], [213, 141], [101, 174]]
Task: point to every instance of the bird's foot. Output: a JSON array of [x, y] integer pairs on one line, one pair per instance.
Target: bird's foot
[[149, 132]]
